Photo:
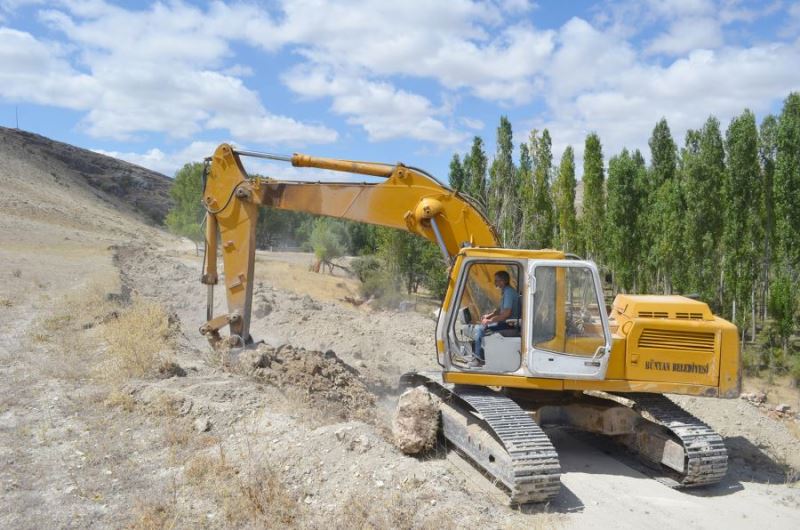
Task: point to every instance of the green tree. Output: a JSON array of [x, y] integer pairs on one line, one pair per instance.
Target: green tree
[[622, 210], [593, 216], [742, 194], [328, 240], [666, 209], [524, 195], [186, 215], [702, 173], [783, 307], [787, 186], [644, 195], [502, 193], [475, 164], [457, 175], [564, 194], [767, 153], [544, 223], [401, 251], [527, 207]]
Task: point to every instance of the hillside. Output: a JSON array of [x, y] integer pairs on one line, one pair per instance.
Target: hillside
[[143, 191]]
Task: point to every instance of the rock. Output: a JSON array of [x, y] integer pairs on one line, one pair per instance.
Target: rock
[[202, 425], [783, 408], [406, 305], [360, 444], [263, 306], [169, 369], [416, 421], [254, 359], [309, 303]]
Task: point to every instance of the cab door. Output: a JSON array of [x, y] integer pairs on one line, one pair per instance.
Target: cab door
[[567, 325]]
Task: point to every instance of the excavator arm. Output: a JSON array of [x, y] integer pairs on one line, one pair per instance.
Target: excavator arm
[[407, 199]]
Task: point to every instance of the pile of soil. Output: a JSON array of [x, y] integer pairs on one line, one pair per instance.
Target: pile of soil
[[321, 379]]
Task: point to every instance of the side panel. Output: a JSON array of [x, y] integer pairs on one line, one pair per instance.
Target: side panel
[[674, 351]]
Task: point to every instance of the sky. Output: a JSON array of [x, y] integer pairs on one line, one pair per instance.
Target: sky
[[162, 84]]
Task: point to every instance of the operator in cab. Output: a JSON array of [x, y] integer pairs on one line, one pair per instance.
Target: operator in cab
[[498, 319]]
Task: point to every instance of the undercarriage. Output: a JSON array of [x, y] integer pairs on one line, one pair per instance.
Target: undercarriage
[[500, 432]]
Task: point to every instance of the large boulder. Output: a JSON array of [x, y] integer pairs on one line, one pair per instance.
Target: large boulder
[[416, 421]]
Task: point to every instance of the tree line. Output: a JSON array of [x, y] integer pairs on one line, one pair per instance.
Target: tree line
[[718, 217]]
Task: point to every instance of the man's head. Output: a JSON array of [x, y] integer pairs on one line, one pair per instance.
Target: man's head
[[501, 279]]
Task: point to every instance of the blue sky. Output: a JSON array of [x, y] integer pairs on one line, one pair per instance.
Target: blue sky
[[161, 84]]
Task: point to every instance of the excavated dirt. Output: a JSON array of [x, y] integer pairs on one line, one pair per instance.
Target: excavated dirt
[[321, 380]]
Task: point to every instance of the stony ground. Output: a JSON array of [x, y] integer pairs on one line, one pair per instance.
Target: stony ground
[[115, 413]]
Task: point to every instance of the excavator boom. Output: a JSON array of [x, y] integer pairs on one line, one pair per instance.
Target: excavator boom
[[406, 198]]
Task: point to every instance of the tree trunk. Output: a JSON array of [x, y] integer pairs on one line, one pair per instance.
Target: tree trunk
[[753, 313]]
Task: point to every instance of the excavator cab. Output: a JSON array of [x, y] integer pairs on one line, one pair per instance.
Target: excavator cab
[[563, 331]]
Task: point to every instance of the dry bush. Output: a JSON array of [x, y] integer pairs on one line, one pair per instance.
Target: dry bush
[[65, 329], [139, 341], [153, 516], [388, 510], [121, 399], [178, 432], [253, 497]]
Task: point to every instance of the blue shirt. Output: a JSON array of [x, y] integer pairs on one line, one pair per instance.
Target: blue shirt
[[510, 299]]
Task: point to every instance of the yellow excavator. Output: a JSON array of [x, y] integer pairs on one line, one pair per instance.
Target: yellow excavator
[[566, 361]]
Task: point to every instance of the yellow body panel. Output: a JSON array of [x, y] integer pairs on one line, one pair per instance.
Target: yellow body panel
[[606, 385]]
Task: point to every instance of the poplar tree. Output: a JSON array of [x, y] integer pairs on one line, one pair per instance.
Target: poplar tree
[[702, 171], [644, 194], [456, 174], [666, 208], [593, 212], [502, 207], [787, 186], [622, 239], [564, 198], [767, 152], [475, 164], [524, 194], [542, 197], [741, 214]]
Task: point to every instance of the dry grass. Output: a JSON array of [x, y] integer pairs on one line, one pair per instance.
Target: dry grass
[[153, 516], [121, 399], [253, 497], [139, 341], [390, 510]]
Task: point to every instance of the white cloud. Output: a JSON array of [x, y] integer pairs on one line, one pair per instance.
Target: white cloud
[[157, 70], [166, 163], [384, 111], [629, 101], [687, 34], [471, 123], [38, 73], [681, 8], [458, 43]]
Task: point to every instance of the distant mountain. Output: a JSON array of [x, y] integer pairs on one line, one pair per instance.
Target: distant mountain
[[138, 189]]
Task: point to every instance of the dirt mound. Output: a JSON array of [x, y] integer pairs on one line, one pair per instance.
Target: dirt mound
[[321, 379], [416, 421]]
